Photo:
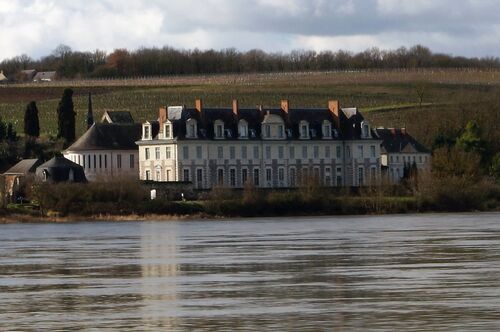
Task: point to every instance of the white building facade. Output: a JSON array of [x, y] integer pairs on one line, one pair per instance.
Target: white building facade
[[268, 148]]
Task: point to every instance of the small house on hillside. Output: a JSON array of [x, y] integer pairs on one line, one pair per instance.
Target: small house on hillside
[[3, 78], [26, 75], [60, 169], [16, 177], [45, 76]]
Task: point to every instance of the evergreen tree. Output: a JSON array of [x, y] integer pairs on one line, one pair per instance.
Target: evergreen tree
[[66, 117], [31, 122], [3, 130], [11, 133], [90, 115]]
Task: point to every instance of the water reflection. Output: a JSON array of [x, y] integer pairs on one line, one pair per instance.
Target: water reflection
[[431, 272]]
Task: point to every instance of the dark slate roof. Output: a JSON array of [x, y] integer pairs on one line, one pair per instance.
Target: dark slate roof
[[398, 140], [108, 136], [24, 167], [44, 75], [118, 117], [350, 126], [58, 169]]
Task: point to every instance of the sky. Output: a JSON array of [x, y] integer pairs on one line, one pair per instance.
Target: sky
[[458, 27]]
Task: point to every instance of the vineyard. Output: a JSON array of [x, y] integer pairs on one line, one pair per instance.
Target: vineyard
[[388, 97]]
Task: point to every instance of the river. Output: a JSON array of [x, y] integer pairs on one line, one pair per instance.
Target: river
[[436, 272]]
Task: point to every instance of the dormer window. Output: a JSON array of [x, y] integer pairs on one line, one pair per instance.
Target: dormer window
[[191, 128], [219, 129], [243, 129], [273, 127], [167, 130], [267, 131], [281, 131], [365, 130], [327, 129], [304, 130], [146, 131]]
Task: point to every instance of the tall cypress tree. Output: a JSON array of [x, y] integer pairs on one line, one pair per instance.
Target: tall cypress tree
[[66, 117], [90, 115], [31, 122]]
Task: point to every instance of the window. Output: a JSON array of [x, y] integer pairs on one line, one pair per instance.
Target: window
[[243, 129], [185, 152], [186, 176], [339, 152], [118, 161], [105, 161], [305, 174], [167, 130], [293, 177], [219, 129], [316, 173], [327, 129], [244, 152], [158, 174], [361, 176], [100, 161], [89, 165], [168, 178], [268, 152], [281, 152], [328, 176], [85, 159], [256, 177], [220, 152], [304, 152], [256, 152], [373, 174], [244, 176], [365, 130], [199, 178], [304, 130], [269, 176], [132, 161], [281, 131], [420, 158], [360, 151], [316, 152], [292, 152], [168, 152], [220, 176], [146, 152], [232, 177], [372, 151], [339, 177], [157, 153], [267, 131], [191, 128], [148, 175], [146, 131], [95, 163], [281, 176], [198, 152], [348, 152], [232, 152]]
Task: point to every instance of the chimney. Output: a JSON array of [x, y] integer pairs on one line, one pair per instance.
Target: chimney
[[285, 105], [235, 108], [198, 105], [334, 107], [162, 117]]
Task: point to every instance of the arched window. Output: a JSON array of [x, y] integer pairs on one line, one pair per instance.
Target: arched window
[[304, 129], [243, 129], [365, 129], [191, 128], [219, 129], [327, 129]]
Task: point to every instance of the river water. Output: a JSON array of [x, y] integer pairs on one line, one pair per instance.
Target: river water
[[411, 272]]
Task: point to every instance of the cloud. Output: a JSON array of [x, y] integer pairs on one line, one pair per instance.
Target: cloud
[[36, 27]]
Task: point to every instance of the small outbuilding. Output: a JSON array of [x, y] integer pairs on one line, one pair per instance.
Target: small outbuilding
[[45, 76], [60, 169], [3, 78], [17, 176]]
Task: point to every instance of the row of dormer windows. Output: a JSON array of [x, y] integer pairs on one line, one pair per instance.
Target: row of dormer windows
[[269, 130]]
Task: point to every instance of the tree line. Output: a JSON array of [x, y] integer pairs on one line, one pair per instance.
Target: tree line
[[171, 61]]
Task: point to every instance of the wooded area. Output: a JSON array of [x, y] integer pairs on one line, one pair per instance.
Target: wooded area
[[171, 61]]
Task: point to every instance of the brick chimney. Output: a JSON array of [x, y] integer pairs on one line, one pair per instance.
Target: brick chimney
[[162, 117], [198, 105], [235, 108], [285, 105], [334, 107]]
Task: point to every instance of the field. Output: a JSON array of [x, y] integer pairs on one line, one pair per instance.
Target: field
[[387, 98]]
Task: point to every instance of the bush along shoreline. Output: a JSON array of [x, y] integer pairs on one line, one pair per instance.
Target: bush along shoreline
[[129, 200]]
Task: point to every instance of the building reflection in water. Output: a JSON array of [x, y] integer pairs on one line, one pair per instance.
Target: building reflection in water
[[160, 270]]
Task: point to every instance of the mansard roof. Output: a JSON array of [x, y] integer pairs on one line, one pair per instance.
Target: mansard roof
[[350, 123], [108, 136], [399, 141]]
